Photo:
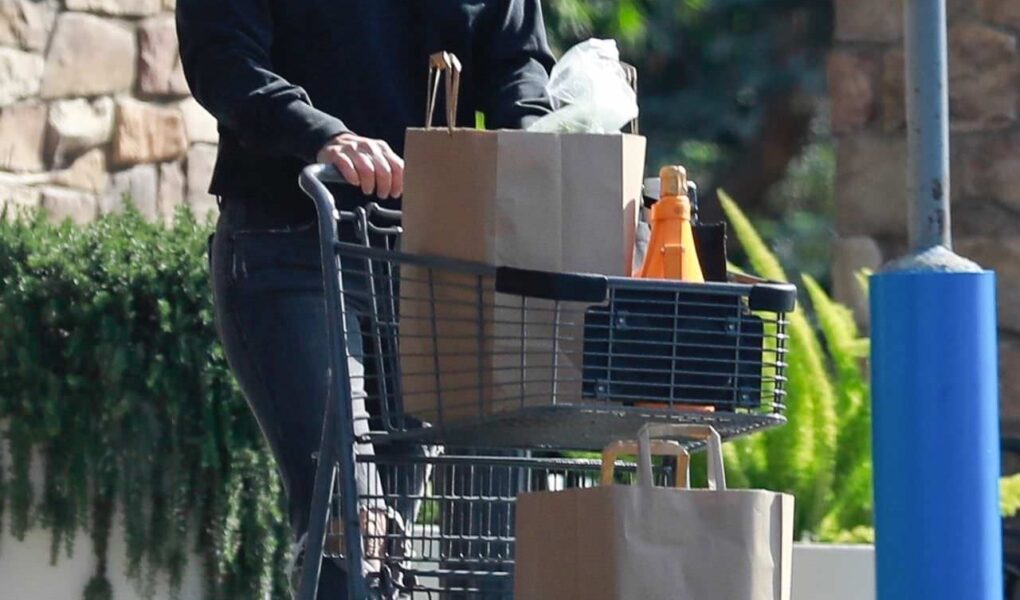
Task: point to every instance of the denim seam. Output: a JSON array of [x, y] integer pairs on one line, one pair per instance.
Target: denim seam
[[245, 342]]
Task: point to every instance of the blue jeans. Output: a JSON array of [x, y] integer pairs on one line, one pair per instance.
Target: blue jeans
[[270, 315]]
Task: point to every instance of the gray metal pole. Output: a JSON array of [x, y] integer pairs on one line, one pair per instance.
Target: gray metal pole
[[928, 124]]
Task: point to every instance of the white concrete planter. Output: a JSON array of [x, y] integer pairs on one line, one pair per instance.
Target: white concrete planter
[[820, 571], [26, 572], [833, 572]]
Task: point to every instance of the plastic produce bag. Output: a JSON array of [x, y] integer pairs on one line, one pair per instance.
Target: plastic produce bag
[[589, 91]]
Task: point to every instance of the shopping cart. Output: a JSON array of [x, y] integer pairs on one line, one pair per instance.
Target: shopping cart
[[518, 366]]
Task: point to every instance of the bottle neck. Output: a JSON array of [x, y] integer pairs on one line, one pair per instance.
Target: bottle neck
[[671, 208]]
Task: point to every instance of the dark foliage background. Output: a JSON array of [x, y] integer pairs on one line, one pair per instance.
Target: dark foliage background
[[729, 88]]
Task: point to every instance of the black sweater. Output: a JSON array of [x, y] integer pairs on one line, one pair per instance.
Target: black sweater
[[283, 77]]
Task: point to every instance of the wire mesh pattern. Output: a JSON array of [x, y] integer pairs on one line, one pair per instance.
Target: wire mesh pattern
[[477, 352], [443, 527]]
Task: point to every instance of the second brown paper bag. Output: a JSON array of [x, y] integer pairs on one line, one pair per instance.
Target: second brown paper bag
[[631, 542]]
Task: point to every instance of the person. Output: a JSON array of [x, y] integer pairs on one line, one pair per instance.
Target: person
[[294, 82]]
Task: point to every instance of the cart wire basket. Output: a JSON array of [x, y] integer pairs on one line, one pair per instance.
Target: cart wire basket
[[462, 354], [509, 357]]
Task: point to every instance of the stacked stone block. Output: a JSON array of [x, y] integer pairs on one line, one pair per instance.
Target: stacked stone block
[[866, 80], [94, 108]]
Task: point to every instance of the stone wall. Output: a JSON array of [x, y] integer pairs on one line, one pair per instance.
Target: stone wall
[[866, 84], [94, 107]]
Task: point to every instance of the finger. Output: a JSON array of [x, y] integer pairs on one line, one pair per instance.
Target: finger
[[366, 171], [397, 171], [383, 176], [346, 168], [396, 165]]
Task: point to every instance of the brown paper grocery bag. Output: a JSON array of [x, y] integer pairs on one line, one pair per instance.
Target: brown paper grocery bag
[[601, 178], [554, 202], [539, 201], [619, 542]]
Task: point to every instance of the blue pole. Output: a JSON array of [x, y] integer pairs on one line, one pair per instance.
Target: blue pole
[[936, 436], [934, 371]]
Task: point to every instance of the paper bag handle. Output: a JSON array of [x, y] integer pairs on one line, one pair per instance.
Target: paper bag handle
[[658, 431], [439, 63], [659, 448], [630, 72], [448, 62]]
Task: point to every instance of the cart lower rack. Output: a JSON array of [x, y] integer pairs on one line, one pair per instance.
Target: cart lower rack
[[445, 528]]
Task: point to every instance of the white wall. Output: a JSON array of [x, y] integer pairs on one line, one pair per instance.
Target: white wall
[[831, 572], [819, 572], [26, 572]]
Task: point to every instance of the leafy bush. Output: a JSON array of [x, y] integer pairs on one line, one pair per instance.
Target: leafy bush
[[110, 370]]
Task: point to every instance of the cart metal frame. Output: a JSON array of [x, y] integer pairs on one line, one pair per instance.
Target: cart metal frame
[[336, 496]]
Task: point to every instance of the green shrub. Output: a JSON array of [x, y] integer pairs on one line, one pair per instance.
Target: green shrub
[[110, 371]]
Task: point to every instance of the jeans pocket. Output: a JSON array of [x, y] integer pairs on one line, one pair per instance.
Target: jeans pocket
[[277, 260]]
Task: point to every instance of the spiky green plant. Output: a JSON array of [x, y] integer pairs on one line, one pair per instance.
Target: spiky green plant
[[823, 456], [1009, 495]]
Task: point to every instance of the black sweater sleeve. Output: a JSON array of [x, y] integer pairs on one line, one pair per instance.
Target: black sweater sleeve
[[225, 53], [516, 70]]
